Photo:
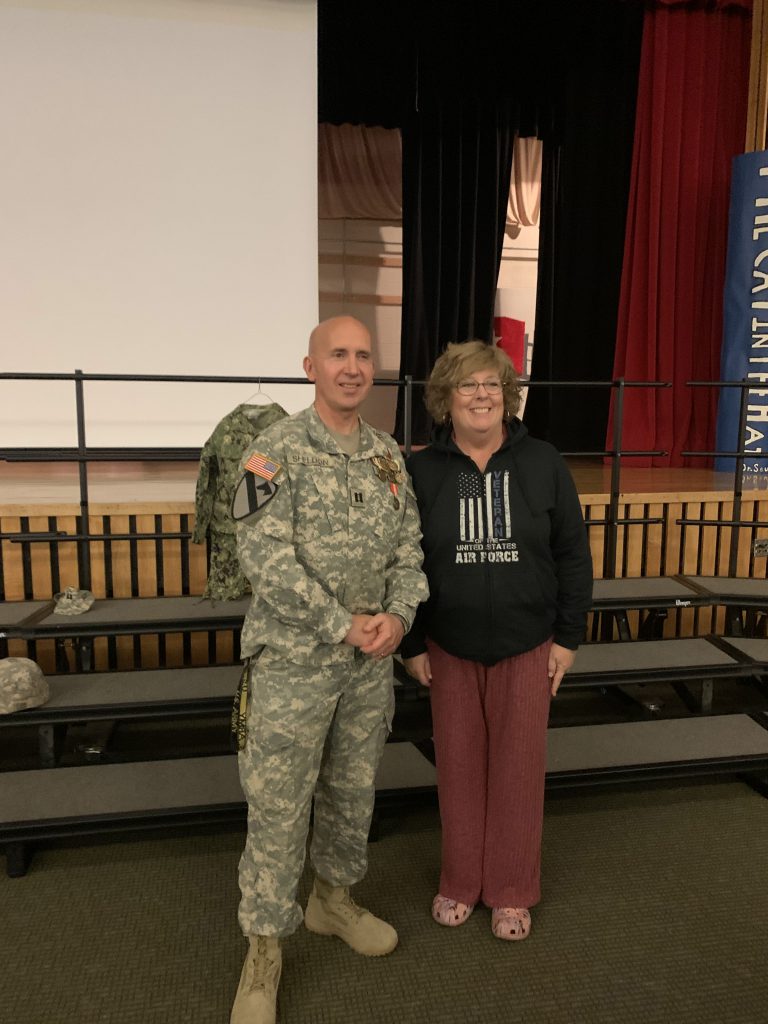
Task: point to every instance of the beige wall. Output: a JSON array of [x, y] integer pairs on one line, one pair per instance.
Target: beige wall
[[360, 265], [519, 271]]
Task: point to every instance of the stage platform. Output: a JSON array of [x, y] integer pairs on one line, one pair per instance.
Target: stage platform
[[666, 524], [32, 488]]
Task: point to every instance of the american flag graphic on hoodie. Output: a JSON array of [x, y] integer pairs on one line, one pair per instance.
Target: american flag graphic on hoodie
[[484, 511]]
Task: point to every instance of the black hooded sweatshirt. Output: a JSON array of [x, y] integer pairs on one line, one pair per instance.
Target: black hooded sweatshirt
[[505, 551]]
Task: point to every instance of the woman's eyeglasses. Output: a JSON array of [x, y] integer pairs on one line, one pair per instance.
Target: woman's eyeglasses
[[469, 386]]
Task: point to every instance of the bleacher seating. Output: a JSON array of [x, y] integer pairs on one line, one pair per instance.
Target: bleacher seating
[[38, 804]]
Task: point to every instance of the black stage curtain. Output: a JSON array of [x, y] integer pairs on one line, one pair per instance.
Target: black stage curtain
[[585, 188], [460, 79], [483, 76], [456, 171], [366, 62]]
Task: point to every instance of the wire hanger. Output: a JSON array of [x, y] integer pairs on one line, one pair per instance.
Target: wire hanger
[[259, 394]]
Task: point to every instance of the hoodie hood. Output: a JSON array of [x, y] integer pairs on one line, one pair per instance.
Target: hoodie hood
[[442, 440]]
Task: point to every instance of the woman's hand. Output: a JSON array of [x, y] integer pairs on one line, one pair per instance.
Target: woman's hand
[[560, 660], [418, 668]]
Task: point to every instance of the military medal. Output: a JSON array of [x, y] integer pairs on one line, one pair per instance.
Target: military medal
[[388, 471], [386, 468]]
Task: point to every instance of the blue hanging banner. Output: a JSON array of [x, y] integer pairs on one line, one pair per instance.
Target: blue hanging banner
[[745, 317]]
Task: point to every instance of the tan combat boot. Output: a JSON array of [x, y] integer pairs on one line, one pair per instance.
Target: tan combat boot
[[332, 911], [256, 999]]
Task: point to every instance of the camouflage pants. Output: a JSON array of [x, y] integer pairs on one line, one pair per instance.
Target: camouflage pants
[[311, 730]]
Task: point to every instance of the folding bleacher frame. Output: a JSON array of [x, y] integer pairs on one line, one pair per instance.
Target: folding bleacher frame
[[36, 622]]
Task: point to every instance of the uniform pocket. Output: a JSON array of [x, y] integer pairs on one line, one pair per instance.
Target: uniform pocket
[[317, 505], [313, 524], [274, 737], [267, 765], [271, 732]]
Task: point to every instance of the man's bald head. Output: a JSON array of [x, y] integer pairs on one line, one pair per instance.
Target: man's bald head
[[327, 330]]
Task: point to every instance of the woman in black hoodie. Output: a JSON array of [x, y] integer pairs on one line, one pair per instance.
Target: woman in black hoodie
[[510, 579]]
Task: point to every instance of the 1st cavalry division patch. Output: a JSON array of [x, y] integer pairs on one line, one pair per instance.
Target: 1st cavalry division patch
[[257, 486]]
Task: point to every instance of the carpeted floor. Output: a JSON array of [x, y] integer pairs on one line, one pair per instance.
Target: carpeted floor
[[655, 912]]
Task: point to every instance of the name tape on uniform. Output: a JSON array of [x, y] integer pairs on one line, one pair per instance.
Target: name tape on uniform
[[301, 459]]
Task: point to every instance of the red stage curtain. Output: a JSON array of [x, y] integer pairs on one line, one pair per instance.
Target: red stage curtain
[[691, 120]]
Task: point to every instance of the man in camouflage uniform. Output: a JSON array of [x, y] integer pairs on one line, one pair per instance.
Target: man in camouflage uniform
[[328, 534]]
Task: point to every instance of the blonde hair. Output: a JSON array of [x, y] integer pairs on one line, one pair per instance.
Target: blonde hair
[[460, 361]]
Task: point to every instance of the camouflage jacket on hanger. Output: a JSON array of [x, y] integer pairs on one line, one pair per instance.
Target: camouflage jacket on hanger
[[216, 482]]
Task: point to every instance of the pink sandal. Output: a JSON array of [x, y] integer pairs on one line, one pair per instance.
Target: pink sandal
[[511, 923], [450, 912]]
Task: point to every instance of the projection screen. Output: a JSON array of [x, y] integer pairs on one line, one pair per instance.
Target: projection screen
[[158, 210]]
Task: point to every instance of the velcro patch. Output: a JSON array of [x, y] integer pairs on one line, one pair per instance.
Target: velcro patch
[[263, 466], [251, 495]]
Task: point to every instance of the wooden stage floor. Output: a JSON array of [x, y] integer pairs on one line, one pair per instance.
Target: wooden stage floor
[[36, 488]]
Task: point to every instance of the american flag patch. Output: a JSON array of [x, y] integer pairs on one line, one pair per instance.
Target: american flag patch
[[262, 466]]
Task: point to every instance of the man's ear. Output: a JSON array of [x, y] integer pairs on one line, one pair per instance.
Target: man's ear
[[308, 368]]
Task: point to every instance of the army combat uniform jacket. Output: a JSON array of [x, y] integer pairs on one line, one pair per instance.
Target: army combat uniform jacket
[[331, 539], [216, 481]]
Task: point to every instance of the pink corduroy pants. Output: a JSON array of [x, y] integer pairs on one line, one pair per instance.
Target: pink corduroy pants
[[490, 734]]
